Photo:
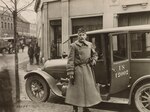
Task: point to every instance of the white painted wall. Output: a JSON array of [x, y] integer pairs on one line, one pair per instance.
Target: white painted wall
[[109, 9], [54, 10], [85, 7]]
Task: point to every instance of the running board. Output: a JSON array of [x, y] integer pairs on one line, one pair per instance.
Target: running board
[[117, 100]]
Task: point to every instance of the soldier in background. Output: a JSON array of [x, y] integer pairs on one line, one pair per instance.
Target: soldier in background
[[37, 53], [31, 53]]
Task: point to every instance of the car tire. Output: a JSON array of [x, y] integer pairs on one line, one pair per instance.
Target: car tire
[[37, 89], [142, 98]]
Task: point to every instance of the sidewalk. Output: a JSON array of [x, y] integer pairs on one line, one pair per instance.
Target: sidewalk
[[24, 68], [24, 61], [29, 106], [33, 67]]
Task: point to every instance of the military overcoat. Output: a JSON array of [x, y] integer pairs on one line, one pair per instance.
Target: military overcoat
[[83, 92]]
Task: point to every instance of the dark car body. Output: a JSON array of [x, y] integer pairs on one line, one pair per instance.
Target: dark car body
[[57, 68]]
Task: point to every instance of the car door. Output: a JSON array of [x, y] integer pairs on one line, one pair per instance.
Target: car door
[[120, 66]]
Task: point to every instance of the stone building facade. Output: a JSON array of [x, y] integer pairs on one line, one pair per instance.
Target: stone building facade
[[57, 19], [33, 30], [6, 25]]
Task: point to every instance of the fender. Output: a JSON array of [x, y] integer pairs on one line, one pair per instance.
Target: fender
[[49, 79], [134, 85]]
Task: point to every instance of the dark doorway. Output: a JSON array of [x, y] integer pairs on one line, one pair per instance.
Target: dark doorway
[[56, 42]]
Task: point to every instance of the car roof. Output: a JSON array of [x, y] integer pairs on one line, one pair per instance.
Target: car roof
[[118, 29]]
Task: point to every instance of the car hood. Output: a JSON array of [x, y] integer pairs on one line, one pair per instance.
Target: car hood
[[56, 66]]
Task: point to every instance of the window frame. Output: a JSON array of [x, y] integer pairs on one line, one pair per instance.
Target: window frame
[[140, 51], [127, 42]]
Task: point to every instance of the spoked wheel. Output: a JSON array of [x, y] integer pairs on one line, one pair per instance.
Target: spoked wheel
[[4, 51], [142, 98], [37, 89]]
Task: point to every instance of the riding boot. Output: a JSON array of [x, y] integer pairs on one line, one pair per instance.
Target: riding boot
[[86, 109], [75, 109]]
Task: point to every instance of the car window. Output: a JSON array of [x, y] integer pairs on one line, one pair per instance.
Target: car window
[[140, 45], [97, 44], [119, 43]]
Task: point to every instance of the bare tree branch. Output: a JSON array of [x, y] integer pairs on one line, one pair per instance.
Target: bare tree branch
[[31, 10], [13, 4], [25, 6], [4, 12], [12, 1], [7, 6]]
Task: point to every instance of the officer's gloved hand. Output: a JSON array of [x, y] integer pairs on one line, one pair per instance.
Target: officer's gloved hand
[[92, 62], [71, 77]]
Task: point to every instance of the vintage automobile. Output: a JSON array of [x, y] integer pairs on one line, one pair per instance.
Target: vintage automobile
[[3, 46], [122, 71]]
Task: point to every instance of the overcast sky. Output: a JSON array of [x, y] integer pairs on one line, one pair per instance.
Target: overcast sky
[[29, 14]]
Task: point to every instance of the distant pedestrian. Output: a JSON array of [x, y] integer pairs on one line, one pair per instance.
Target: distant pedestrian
[[22, 47], [37, 53], [31, 53], [10, 46]]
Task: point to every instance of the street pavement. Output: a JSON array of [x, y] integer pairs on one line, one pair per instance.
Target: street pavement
[[54, 103]]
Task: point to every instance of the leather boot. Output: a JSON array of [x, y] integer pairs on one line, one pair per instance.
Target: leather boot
[[75, 109], [86, 109]]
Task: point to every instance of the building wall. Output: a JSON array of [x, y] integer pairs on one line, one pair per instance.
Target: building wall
[[113, 9], [79, 8], [68, 10], [6, 25], [23, 28], [39, 30], [52, 8], [33, 29]]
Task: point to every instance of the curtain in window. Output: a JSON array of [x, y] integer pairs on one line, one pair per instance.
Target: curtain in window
[[90, 23], [131, 19]]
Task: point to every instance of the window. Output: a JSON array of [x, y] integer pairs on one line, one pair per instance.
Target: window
[[8, 26], [140, 45], [90, 23], [97, 44], [2, 25], [119, 44], [5, 25], [11, 26]]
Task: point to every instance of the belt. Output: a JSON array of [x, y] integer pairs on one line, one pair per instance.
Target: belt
[[79, 64]]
